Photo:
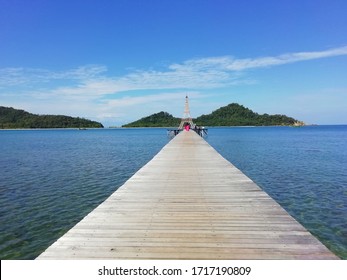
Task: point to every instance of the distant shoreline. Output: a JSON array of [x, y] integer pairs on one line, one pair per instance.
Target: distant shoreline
[[52, 128], [156, 127]]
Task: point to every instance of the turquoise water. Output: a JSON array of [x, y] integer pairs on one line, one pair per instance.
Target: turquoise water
[[50, 179]]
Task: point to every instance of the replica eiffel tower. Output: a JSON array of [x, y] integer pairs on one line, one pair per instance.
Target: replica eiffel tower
[[186, 119]]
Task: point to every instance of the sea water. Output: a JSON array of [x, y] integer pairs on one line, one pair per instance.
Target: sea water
[[51, 179], [304, 169]]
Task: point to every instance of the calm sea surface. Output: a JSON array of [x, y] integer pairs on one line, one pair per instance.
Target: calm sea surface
[[50, 179]]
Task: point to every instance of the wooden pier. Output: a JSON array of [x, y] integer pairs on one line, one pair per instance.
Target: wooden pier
[[188, 202]]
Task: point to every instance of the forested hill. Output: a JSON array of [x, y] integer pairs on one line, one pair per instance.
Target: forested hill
[[13, 118], [238, 115], [230, 115], [161, 119]]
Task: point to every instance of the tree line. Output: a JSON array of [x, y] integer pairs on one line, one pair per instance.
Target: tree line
[[161, 119], [238, 115], [230, 115], [11, 118]]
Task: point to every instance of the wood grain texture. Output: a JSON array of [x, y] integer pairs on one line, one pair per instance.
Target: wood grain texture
[[188, 202]]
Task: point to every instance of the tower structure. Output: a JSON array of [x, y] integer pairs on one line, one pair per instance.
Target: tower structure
[[186, 119]]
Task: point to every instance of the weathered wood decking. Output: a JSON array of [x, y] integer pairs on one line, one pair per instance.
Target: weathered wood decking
[[188, 202]]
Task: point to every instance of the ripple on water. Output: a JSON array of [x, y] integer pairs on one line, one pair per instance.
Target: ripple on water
[[303, 170], [51, 179]]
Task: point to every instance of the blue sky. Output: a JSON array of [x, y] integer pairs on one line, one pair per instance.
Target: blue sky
[[115, 61]]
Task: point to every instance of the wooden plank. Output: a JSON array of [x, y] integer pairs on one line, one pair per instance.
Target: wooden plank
[[188, 202]]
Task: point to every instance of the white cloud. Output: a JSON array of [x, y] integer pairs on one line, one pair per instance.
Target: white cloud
[[29, 76], [228, 63], [202, 73], [129, 101], [130, 108], [91, 86]]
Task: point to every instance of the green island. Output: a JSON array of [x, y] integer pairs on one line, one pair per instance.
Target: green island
[[11, 118], [230, 115], [161, 119]]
